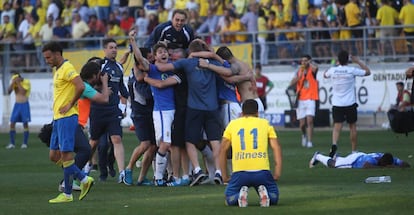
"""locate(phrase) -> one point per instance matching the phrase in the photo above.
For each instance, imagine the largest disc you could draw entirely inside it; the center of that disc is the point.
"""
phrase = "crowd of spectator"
(30, 23)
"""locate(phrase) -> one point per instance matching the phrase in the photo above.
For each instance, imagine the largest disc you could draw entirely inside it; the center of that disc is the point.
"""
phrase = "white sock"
(197, 169)
(323, 159)
(218, 171)
(160, 166)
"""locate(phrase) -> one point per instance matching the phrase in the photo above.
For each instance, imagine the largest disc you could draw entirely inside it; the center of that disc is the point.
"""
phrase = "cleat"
(309, 145)
(75, 186)
(313, 160)
(62, 198)
(174, 183)
(160, 183)
(198, 178)
(218, 179)
(121, 177)
(10, 146)
(128, 177)
(86, 187)
(264, 196)
(23, 146)
(185, 182)
(145, 182)
(244, 191)
(333, 151)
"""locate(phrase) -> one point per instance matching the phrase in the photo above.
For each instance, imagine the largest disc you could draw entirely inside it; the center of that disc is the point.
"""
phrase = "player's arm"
(368, 165)
(221, 70)
(137, 53)
(79, 88)
(104, 96)
(238, 78)
(13, 84)
(277, 157)
(164, 67)
(170, 81)
(225, 145)
(361, 64)
(207, 55)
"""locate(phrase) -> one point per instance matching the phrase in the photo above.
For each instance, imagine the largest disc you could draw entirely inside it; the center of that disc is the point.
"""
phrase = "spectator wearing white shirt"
(141, 24)
(209, 26)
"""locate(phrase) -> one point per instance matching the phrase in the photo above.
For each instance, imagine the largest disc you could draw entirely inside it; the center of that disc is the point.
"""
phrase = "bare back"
(247, 89)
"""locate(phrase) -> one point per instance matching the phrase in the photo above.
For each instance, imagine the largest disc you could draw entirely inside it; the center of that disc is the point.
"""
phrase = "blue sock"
(25, 136)
(67, 177)
(12, 134)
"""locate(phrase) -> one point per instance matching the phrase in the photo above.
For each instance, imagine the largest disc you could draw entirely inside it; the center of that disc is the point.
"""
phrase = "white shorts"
(230, 111)
(305, 108)
(162, 125)
(346, 162)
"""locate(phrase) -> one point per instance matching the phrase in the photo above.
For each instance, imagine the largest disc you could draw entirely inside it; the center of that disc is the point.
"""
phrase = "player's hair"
(197, 45)
(343, 57)
(96, 60)
(53, 47)
(89, 70)
(158, 46)
(180, 11)
(386, 159)
(107, 41)
(307, 56)
(224, 52)
(400, 84)
(250, 107)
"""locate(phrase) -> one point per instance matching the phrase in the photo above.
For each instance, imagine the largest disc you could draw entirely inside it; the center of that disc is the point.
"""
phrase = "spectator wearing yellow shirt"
(387, 16)
(40, 11)
(303, 11)
(27, 7)
(406, 17)
(353, 18)
(7, 30)
(237, 27)
(34, 30)
(115, 31)
(79, 29)
(180, 4)
(66, 15)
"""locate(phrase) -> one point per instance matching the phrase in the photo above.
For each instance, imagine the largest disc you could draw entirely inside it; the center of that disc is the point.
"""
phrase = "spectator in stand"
(237, 27)
(406, 17)
(79, 30)
(261, 38)
(151, 7)
(263, 85)
(103, 9)
(204, 6)
(34, 30)
(162, 14)
(18, 13)
(113, 17)
(303, 11)
(320, 38)
(194, 19)
(240, 6)
(115, 31)
(66, 15)
(141, 25)
(96, 26)
(53, 9)
(82, 10)
(386, 16)
(344, 34)
(26, 38)
(179, 4)
(225, 35)
(40, 11)
(221, 21)
(60, 32)
(7, 30)
(353, 18)
(133, 6)
(7, 11)
(249, 20)
(209, 26)
(27, 7)
(126, 22)
(192, 5)
(371, 8)
(46, 31)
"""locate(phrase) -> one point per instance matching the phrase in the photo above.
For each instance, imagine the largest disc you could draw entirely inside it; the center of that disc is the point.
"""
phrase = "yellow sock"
(59, 163)
(68, 163)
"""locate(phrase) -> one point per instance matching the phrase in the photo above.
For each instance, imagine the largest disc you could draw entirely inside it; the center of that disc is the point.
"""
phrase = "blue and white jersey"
(163, 97)
(372, 158)
(176, 39)
(115, 72)
(202, 85)
(227, 91)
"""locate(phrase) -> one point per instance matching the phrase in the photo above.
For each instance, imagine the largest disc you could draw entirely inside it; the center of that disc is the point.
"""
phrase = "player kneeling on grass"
(249, 136)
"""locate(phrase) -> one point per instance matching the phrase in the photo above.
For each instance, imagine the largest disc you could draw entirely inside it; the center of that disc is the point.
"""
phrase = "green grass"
(28, 180)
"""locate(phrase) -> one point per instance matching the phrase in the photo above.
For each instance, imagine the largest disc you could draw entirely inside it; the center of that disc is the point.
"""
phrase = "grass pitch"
(28, 180)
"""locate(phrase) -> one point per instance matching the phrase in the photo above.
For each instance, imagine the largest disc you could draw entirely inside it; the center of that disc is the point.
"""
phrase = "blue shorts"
(251, 179)
(63, 134)
(198, 121)
(20, 113)
(144, 128)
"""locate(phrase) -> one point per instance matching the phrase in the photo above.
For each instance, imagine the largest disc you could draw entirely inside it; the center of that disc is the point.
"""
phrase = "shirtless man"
(21, 109)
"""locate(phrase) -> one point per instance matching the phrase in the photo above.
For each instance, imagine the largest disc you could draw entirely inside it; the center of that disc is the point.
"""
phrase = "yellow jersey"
(64, 89)
(249, 137)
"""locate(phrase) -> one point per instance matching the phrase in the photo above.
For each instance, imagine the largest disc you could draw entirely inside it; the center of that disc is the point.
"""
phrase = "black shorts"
(198, 121)
(144, 128)
(348, 114)
(357, 32)
(178, 128)
(111, 126)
